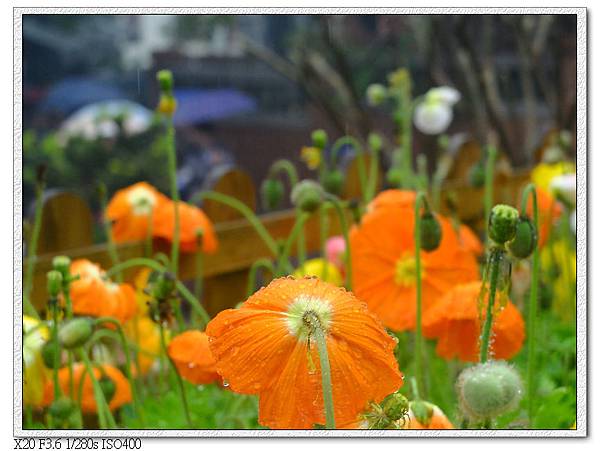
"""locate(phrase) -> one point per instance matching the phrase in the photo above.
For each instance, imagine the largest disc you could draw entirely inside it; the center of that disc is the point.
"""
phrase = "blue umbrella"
(72, 93)
(196, 106)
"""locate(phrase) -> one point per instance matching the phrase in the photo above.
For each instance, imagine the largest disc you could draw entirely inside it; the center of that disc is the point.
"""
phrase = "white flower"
(564, 188)
(434, 114)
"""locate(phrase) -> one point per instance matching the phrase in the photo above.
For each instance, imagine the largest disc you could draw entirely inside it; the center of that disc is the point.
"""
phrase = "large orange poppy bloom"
(470, 240)
(131, 210)
(192, 357)
(383, 261)
(549, 211)
(121, 396)
(266, 348)
(455, 322)
(191, 219)
(394, 198)
(92, 295)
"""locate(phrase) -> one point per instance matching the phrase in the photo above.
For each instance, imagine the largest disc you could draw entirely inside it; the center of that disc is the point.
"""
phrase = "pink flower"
(335, 248)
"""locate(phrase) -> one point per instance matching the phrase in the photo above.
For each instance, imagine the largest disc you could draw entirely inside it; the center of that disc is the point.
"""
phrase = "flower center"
(142, 201)
(306, 312)
(406, 271)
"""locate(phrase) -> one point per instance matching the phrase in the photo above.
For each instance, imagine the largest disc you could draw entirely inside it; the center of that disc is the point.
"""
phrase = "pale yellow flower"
(543, 173)
(311, 156)
(558, 260)
(35, 373)
(316, 267)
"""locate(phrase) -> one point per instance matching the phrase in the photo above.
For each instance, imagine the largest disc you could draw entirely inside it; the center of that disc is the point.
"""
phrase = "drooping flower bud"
(49, 351)
(62, 263)
(54, 281)
(423, 411)
(525, 239)
(108, 388)
(319, 138)
(271, 193)
(375, 141)
(333, 181)
(477, 175)
(431, 232)
(307, 195)
(376, 94)
(167, 103)
(75, 333)
(165, 81)
(488, 389)
(502, 224)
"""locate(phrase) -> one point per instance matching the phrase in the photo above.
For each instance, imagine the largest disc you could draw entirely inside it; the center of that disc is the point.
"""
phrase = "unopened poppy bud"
(61, 408)
(374, 141)
(394, 177)
(376, 94)
(108, 388)
(333, 181)
(271, 193)
(502, 224)
(165, 80)
(49, 351)
(431, 232)
(489, 389)
(525, 239)
(395, 406)
(167, 104)
(319, 138)
(423, 411)
(62, 263)
(75, 333)
(54, 279)
(477, 175)
(307, 195)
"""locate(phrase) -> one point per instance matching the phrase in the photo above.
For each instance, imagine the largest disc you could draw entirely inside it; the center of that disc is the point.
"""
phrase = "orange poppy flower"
(92, 295)
(549, 211)
(121, 396)
(383, 262)
(437, 421)
(470, 240)
(266, 348)
(191, 219)
(192, 357)
(130, 210)
(392, 198)
(455, 322)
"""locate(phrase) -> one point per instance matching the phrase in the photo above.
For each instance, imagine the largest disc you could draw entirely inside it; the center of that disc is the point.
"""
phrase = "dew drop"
(225, 383)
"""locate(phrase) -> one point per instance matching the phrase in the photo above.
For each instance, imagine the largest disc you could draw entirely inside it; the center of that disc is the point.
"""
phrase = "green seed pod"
(376, 94)
(395, 406)
(319, 138)
(488, 389)
(423, 411)
(165, 81)
(502, 224)
(525, 239)
(431, 232)
(54, 283)
(374, 141)
(62, 263)
(307, 195)
(75, 333)
(333, 181)
(62, 408)
(108, 387)
(394, 177)
(271, 193)
(477, 175)
(49, 351)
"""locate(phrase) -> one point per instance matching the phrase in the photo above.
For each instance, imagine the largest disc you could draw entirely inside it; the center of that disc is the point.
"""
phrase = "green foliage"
(557, 410)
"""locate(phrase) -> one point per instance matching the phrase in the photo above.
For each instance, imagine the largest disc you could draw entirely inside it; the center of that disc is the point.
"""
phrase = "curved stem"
(344, 225)
(418, 325)
(354, 143)
(56, 360)
(488, 196)
(285, 165)
(317, 332)
(264, 263)
(494, 263)
(532, 315)
(105, 416)
(244, 210)
(283, 259)
(172, 168)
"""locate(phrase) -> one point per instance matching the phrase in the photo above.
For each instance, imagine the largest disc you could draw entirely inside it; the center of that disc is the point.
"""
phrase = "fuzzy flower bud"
(319, 138)
(525, 239)
(54, 279)
(75, 333)
(62, 263)
(49, 351)
(431, 232)
(307, 195)
(271, 193)
(333, 181)
(376, 94)
(395, 406)
(488, 389)
(502, 224)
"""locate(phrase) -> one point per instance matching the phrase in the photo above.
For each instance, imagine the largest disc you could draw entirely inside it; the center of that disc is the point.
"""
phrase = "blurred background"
(251, 88)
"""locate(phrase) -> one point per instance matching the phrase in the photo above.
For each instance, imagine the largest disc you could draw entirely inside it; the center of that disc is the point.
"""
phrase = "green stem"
(284, 165)
(32, 251)
(373, 175)
(104, 414)
(323, 226)
(244, 210)
(56, 360)
(112, 249)
(488, 197)
(420, 200)
(317, 332)
(172, 168)
(199, 275)
(357, 146)
(283, 260)
(344, 225)
(533, 300)
(494, 263)
(264, 263)
(178, 376)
